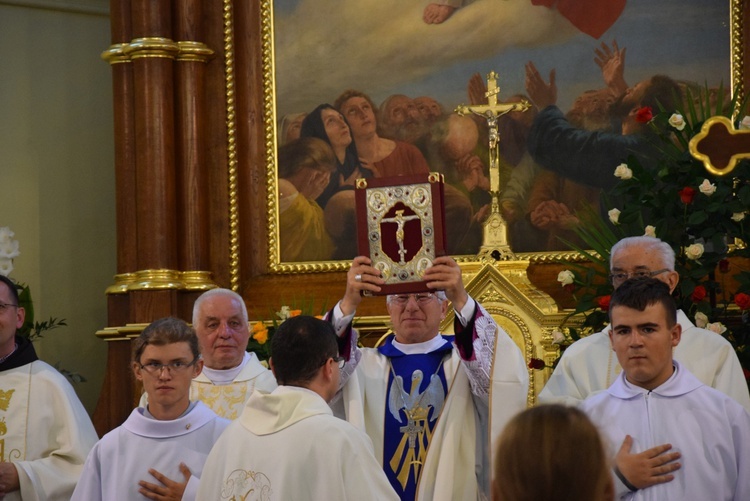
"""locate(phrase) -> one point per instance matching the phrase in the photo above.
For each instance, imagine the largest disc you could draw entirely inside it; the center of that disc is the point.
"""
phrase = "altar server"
(287, 444)
(424, 397)
(230, 373)
(589, 366)
(656, 405)
(159, 452)
(45, 433)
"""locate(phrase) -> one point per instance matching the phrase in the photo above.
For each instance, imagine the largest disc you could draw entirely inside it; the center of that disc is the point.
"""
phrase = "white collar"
(420, 348)
(225, 376)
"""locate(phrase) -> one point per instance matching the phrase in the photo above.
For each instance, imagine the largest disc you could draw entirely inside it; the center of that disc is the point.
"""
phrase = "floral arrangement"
(262, 331)
(31, 329)
(703, 217)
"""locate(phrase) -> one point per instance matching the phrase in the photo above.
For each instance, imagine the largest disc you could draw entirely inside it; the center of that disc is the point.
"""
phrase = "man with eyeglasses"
(160, 450)
(45, 432)
(425, 389)
(287, 444)
(589, 366)
(230, 373)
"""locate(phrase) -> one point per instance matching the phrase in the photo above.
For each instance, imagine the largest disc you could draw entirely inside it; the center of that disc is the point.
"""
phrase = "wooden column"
(162, 188)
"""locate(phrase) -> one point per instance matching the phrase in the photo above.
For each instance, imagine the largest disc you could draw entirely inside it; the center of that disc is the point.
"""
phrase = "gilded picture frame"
(281, 72)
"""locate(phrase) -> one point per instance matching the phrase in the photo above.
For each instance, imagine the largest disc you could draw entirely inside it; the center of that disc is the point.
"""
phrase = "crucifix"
(400, 220)
(412, 429)
(495, 241)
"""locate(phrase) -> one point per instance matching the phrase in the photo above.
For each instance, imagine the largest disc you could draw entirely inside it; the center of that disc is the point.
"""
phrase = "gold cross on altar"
(495, 240)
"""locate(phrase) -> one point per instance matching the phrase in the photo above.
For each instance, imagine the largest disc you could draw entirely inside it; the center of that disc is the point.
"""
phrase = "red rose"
(536, 363)
(699, 293)
(724, 265)
(687, 194)
(569, 287)
(742, 300)
(746, 373)
(644, 115)
(603, 302)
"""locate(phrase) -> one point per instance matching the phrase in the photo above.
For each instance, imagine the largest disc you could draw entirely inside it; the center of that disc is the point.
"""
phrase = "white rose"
(565, 277)
(9, 249)
(284, 313)
(558, 337)
(623, 171)
(650, 231)
(694, 251)
(5, 233)
(701, 320)
(738, 216)
(614, 216)
(717, 327)
(677, 121)
(745, 123)
(6, 266)
(707, 188)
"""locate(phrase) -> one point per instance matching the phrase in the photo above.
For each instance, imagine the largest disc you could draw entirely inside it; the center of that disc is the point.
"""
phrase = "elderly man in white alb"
(589, 366)
(45, 433)
(230, 374)
(422, 389)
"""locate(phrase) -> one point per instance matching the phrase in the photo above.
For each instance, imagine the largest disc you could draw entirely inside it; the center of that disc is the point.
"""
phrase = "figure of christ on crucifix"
(400, 221)
(495, 229)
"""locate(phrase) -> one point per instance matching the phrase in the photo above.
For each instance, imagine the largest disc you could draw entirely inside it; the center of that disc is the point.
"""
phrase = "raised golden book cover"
(401, 226)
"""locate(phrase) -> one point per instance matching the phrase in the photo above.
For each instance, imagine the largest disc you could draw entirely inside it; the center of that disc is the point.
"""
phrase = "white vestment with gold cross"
(44, 430)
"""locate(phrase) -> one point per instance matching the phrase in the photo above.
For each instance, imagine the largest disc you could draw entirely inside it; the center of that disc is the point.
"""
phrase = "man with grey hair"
(589, 366)
(230, 374)
(425, 390)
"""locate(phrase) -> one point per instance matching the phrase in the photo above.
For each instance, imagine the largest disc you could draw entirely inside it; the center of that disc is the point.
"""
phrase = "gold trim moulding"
(115, 54)
(162, 279)
(121, 333)
(139, 48)
(194, 51)
(157, 47)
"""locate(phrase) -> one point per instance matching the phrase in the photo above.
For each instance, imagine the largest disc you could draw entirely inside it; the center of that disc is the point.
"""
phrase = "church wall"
(56, 171)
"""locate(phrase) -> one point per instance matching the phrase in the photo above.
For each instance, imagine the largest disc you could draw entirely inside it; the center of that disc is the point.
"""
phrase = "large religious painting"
(369, 88)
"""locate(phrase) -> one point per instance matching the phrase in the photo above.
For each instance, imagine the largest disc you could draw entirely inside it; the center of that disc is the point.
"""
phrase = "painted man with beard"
(590, 157)
(400, 119)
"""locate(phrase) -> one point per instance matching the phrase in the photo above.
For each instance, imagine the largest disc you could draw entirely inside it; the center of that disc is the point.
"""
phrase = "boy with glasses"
(589, 366)
(288, 444)
(45, 433)
(424, 389)
(169, 439)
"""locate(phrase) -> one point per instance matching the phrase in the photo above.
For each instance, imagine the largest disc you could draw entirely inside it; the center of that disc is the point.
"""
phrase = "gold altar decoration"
(720, 146)
(495, 242)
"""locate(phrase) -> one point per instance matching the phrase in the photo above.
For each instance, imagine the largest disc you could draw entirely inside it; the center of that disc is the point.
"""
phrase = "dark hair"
(550, 452)
(312, 126)
(639, 293)
(12, 286)
(300, 346)
(305, 152)
(662, 91)
(165, 331)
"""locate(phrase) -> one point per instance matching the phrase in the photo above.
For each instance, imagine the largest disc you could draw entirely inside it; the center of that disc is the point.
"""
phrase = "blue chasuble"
(413, 403)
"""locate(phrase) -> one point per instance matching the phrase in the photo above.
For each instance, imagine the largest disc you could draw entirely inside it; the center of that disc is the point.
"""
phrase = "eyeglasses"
(341, 361)
(618, 278)
(5, 306)
(154, 368)
(423, 298)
